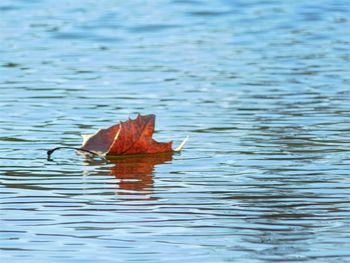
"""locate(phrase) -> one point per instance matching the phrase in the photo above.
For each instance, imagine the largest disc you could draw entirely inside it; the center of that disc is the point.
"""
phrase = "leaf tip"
(181, 146)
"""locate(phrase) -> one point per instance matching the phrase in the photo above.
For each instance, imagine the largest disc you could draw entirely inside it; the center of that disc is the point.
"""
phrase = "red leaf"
(130, 137)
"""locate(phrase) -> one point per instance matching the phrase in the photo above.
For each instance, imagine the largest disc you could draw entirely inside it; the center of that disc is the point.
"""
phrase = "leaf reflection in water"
(134, 173)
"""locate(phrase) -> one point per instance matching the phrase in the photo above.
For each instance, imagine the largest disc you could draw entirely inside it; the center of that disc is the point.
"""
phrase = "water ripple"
(261, 88)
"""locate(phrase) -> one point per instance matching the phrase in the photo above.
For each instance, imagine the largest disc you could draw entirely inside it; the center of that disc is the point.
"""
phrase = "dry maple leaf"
(129, 137)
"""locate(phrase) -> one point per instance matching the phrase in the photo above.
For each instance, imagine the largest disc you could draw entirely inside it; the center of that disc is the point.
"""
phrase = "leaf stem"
(50, 152)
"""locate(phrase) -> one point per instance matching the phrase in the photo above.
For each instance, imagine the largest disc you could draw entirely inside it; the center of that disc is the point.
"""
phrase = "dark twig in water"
(50, 152)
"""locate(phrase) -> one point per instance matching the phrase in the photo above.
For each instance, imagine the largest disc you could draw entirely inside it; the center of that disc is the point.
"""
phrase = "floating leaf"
(126, 138)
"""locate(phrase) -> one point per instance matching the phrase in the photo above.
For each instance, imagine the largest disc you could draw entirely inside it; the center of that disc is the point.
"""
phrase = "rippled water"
(261, 87)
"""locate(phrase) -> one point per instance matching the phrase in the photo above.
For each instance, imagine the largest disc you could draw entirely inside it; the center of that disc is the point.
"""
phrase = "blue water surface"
(261, 87)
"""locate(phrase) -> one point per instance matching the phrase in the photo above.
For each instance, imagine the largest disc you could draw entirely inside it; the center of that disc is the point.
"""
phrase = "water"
(261, 88)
